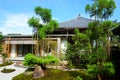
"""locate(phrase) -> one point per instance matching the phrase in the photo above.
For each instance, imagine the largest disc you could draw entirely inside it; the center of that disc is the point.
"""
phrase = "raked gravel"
(9, 76)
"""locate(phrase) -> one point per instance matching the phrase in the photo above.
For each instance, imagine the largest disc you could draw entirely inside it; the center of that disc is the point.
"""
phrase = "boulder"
(38, 72)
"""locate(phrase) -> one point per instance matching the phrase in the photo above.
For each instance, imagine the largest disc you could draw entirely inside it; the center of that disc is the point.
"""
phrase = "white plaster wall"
(13, 51)
(63, 46)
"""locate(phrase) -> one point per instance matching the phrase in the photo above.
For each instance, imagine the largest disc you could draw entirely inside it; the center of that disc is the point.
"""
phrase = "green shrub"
(105, 69)
(48, 59)
(93, 69)
(108, 69)
(31, 60)
(7, 70)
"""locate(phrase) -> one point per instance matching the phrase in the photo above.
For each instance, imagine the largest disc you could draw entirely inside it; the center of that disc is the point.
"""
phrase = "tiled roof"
(78, 22)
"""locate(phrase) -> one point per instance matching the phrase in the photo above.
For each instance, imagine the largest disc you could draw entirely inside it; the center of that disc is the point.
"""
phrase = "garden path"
(8, 76)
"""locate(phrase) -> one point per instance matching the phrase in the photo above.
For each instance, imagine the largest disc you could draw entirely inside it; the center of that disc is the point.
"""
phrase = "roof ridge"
(76, 18)
(85, 18)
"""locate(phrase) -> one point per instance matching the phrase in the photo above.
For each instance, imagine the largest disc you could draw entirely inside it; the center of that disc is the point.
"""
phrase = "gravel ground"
(8, 76)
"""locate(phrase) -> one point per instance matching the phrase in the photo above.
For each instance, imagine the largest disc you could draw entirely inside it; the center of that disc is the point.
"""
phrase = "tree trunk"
(99, 78)
(108, 44)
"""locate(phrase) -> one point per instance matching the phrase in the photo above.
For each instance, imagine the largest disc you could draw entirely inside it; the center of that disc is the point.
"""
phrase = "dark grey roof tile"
(78, 22)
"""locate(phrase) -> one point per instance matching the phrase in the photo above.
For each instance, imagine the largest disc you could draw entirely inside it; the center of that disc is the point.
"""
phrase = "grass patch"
(56, 75)
(7, 70)
(6, 63)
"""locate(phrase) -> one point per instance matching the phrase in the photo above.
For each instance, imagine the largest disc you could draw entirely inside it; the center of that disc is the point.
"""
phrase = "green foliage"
(42, 24)
(104, 69)
(0, 48)
(93, 30)
(52, 25)
(73, 54)
(93, 69)
(101, 8)
(81, 41)
(79, 78)
(80, 46)
(4, 55)
(95, 57)
(46, 24)
(47, 59)
(80, 36)
(7, 70)
(115, 40)
(34, 22)
(98, 32)
(42, 32)
(31, 60)
(91, 9)
(108, 69)
(95, 42)
(48, 28)
(106, 8)
(1, 39)
(44, 13)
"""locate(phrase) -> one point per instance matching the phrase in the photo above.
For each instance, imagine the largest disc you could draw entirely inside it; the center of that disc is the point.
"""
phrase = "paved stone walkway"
(8, 76)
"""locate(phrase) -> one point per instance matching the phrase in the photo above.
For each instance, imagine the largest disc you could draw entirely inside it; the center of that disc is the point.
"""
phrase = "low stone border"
(56, 67)
(63, 68)
(20, 64)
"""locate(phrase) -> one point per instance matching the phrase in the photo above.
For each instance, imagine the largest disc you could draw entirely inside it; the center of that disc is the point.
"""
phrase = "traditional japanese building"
(17, 45)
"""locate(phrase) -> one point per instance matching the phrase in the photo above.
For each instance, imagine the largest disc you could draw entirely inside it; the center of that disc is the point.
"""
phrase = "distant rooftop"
(18, 35)
(78, 22)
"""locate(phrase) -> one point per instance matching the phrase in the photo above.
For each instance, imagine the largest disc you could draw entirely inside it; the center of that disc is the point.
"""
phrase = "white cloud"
(15, 23)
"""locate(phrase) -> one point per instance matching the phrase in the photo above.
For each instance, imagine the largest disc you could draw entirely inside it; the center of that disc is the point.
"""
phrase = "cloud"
(14, 20)
(15, 23)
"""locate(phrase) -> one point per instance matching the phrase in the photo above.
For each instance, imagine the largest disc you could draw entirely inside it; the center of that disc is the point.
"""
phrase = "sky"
(14, 14)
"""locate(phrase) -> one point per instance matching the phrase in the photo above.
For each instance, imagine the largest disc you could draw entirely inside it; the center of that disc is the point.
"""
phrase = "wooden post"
(8, 47)
(16, 51)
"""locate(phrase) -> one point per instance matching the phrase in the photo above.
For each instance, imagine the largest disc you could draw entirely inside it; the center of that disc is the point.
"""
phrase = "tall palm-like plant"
(42, 24)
